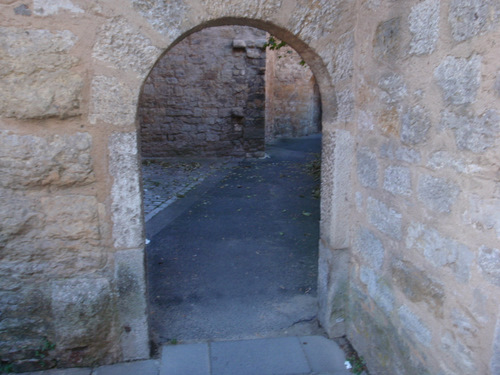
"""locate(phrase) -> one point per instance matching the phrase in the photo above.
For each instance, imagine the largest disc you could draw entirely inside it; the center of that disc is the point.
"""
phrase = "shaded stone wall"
(206, 96)
(293, 103)
(424, 281)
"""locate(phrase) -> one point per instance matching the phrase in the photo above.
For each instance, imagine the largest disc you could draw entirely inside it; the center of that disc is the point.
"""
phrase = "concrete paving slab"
(64, 371)
(148, 367)
(264, 357)
(323, 354)
(192, 359)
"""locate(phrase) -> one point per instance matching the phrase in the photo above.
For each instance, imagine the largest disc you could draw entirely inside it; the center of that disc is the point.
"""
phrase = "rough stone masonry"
(409, 251)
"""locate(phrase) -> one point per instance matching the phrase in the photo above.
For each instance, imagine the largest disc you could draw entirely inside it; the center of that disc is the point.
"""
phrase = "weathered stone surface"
(378, 289)
(157, 11)
(131, 282)
(61, 160)
(343, 68)
(394, 151)
(397, 180)
(112, 102)
(444, 159)
(306, 18)
(370, 247)
(415, 124)
(57, 235)
(123, 46)
(463, 356)
(468, 18)
(495, 358)
(367, 168)
(497, 85)
(437, 193)
(345, 105)
(126, 206)
(441, 251)
(483, 214)
(81, 308)
(22, 10)
(424, 26)
(414, 326)
(384, 218)
(489, 263)
(393, 88)
(418, 286)
(472, 133)
(49, 7)
(35, 76)
(387, 42)
(459, 79)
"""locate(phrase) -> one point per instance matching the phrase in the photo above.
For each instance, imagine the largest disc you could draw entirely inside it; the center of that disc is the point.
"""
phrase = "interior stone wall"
(293, 102)
(409, 248)
(206, 96)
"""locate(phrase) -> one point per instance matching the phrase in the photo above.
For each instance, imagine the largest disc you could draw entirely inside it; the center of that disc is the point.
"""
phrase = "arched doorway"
(239, 260)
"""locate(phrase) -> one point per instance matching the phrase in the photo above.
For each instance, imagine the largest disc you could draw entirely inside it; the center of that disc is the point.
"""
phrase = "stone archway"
(337, 147)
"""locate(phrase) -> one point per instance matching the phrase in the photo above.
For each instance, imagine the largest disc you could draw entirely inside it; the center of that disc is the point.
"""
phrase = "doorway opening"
(231, 152)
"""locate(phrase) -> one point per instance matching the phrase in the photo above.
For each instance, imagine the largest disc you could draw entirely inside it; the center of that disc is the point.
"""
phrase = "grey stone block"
(489, 263)
(393, 88)
(323, 354)
(459, 79)
(437, 193)
(367, 168)
(495, 358)
(192, 359)
(415, 124)
(468, 18)
(264, 357)
(473, 133)
(387, 43)
(414, 326)
(378, 289)
(148, 367)
(424, 26)
(384, 218)
(397, 180)
(370, 247)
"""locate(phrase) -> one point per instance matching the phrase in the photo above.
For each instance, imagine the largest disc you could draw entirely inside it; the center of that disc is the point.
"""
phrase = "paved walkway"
(309, 355)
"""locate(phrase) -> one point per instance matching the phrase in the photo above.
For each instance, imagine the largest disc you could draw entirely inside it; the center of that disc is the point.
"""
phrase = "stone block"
(50, 7)
(122, 46)
(370, 247)
(22, 10)
(441, 251)
(415, 124)
(497, 85)
(387, 41)
(132, 306)
(378, 289)
(459, 79)
(495, 358)
(82, 309)
(28, 161)
(367, 169)
(333, 284)
(468, 18)
(384, 218)
(461, 354)
(414, 326)
(483, 214)
(35, 74)
(489, 262)
(473, 133)
(424, 26)
(345, 105)
(157, 11)
(344, 67)
(393, 88)
(394, 151)
(444, 159)
(126, 205)
(397, 180)
(437, 194)
(112, 102)
(417, 286)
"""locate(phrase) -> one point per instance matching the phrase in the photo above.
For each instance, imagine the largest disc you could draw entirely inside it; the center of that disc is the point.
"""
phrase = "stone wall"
(293, 103)
(205, 96)
(424, 282)
(409, 248)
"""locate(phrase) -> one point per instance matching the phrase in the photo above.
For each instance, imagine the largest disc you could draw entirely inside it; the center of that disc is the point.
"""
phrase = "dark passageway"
(240, 260)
